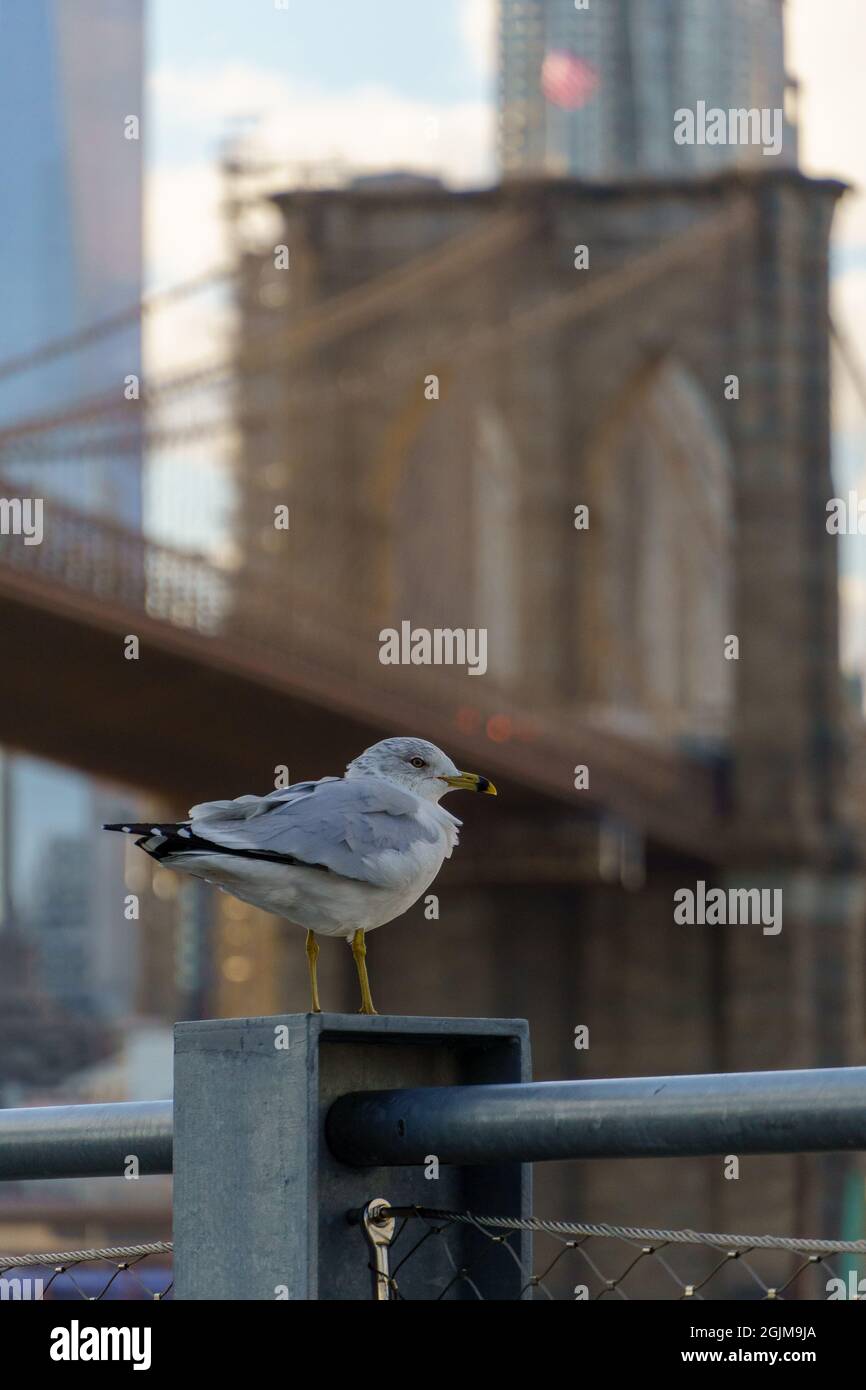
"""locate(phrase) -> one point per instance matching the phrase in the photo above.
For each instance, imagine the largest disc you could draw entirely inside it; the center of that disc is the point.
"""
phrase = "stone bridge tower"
(480, 366)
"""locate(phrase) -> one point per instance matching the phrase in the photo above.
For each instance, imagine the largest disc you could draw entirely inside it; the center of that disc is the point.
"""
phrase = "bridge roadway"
(232, 680)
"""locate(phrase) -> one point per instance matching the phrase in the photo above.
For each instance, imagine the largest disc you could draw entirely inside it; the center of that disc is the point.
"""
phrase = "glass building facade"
(70, 234)
(70, 257)
(651, 58)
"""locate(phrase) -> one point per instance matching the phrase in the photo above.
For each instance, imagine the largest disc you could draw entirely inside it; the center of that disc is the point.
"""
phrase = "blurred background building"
(71, 76)
(556, 387)
(590, 91)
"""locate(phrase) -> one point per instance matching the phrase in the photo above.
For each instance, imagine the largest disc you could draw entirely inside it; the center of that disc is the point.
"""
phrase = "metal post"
(262, 1206)
(637, 1117)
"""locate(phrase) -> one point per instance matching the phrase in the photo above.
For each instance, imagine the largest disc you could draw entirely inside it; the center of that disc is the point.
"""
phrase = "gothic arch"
(659, 473)
(453, 499)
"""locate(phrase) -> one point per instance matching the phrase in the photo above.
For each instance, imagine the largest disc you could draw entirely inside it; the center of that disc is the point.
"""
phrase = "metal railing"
(633, 1117)
(76, 1141)
(264, 1209)
(771, 1112)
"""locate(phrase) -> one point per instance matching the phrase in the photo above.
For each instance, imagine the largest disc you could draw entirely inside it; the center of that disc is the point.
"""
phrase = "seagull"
(340, 856)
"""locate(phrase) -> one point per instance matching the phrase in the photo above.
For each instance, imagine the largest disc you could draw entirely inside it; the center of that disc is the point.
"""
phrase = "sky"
(415, 87)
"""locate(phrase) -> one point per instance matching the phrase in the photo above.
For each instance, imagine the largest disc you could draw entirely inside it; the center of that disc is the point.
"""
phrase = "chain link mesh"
(129, 1272)
(573, 1260)
(580, 1261)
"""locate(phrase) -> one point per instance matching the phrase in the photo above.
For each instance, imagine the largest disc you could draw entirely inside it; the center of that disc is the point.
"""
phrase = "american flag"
(567, 80)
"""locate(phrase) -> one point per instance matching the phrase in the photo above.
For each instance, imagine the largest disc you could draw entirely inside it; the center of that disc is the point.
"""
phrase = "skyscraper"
(70, 234)
(71, 256)
(591, 90)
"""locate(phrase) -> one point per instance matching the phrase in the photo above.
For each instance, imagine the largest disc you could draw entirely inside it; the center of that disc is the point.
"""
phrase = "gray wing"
(247, 807)
(362, 827)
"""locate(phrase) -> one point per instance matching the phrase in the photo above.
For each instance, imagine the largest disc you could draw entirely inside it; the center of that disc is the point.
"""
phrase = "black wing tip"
(147, 827)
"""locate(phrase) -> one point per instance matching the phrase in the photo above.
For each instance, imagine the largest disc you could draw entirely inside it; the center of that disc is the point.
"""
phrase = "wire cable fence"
(580, 1261)
(127, 1272)
(573, 1260)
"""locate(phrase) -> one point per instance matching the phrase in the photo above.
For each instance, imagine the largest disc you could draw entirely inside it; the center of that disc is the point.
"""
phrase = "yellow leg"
(359, 951)
(312, 957)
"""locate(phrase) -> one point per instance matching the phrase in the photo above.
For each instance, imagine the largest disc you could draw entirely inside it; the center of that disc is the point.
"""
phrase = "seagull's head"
(419, 767)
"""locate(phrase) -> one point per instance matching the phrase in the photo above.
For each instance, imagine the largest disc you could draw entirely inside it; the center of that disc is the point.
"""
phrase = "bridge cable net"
(591, 1262)
(332, 319)
(341, 315)
(115, 323)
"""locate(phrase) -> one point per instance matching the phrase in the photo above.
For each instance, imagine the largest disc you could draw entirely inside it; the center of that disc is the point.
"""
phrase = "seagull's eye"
(417, 762)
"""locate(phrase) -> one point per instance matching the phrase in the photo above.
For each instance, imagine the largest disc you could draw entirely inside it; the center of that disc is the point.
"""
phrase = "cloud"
(477, 21)
(308, 133)
(848, 305)
(233, 91)
(311, 135)
(373, 129)
(852, 635)
(184, 230)
(824, 53)
(367, 128)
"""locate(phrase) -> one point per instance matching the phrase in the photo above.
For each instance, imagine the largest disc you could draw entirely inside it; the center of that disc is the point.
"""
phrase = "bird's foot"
(371, 1010)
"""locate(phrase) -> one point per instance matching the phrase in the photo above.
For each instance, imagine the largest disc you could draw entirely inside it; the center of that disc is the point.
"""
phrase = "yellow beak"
(470, 782)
